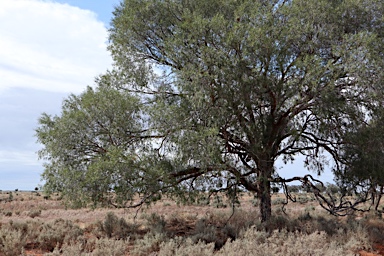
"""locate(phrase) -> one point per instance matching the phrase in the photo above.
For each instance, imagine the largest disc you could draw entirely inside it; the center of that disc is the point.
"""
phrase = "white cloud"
(50, 46)
(26, 158)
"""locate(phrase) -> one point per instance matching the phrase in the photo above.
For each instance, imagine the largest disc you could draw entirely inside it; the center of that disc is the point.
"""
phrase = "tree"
(92, 147)
(363, 165)
(242, 84)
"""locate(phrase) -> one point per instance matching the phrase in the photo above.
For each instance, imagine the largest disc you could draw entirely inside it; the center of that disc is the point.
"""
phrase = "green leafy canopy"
(207, 95)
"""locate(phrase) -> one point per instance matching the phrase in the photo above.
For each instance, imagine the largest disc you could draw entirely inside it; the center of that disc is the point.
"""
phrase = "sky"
(48, 50)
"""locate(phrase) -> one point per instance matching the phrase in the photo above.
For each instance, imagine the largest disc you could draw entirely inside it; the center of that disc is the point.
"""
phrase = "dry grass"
(32, 224)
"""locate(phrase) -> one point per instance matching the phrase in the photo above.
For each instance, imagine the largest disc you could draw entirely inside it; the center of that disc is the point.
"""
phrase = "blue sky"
(49, 49)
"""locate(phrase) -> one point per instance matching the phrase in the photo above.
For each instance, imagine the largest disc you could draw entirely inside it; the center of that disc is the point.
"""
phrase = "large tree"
(225, 88)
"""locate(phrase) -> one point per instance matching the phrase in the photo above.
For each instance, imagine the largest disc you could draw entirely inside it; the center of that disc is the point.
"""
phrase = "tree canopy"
(363, 166)
(208, 95)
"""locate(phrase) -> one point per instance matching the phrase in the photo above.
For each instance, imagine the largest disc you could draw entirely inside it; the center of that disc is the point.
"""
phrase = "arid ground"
(34, 224)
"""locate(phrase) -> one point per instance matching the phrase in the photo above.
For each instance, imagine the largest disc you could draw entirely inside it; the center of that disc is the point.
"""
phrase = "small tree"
(293, 189)
(332, 189)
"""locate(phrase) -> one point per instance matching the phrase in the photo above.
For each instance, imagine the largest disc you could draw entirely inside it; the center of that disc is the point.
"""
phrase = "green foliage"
(294, 188)
(207, 95)
(93, 150)
(332, 189)
(364, 153)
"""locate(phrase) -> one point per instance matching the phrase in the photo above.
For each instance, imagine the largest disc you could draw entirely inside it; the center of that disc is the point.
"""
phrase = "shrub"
(240, 221)
(67, 250)
(278, 201)
(202, 200)
(34, 213)
(204, 232)
(213, 230)
(148, 244)
(375, 230)
(178, 246)
(303, 199)
(284, 243)
(218, 202)
(118, 228)
(276, 222)
(57, 233)
(110, 247)
(156, 223)
(110, 224)
(180, 225)
(255, 201)
(12, 241)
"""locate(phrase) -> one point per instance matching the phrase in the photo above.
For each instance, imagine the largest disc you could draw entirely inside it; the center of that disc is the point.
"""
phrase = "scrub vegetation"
(195, 229)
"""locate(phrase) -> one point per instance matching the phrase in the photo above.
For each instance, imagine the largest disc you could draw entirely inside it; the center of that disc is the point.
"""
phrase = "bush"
(257, 243)
(303, 199)
(67, 250)
(375, 230)
(148, 244)
(218, 202)
(34, 213)
(55, 234)
(332, 189)
(178, 246)
(180, 225)
(204, 232)
(214, 230)
(276, 222)
(110, 224)
(156, 223)
(118, 228)
(12, 241)
(110, 247)
(202, 200)
(278, 201)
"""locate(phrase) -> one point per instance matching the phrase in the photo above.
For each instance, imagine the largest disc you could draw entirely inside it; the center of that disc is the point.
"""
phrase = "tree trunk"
(264, 193)
(265, 201)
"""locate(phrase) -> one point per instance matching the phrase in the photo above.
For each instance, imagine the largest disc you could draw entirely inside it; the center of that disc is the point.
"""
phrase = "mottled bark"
(264, 189)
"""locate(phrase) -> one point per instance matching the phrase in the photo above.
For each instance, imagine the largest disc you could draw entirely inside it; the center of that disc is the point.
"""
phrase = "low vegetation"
(43, 226)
